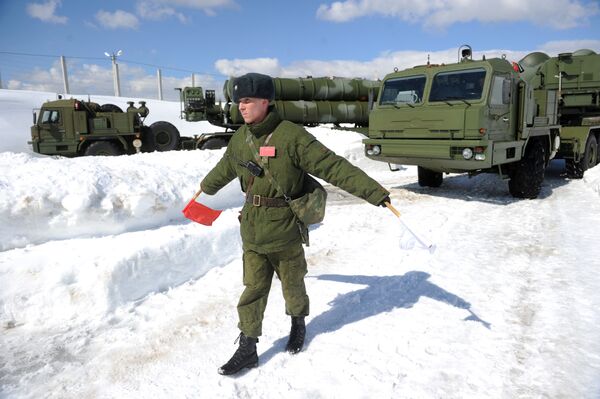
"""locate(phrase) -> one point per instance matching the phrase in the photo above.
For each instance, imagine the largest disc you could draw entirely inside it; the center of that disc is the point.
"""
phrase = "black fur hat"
(254, 85)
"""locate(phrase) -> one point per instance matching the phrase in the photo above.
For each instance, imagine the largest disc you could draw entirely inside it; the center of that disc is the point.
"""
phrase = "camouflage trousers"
(290, 266)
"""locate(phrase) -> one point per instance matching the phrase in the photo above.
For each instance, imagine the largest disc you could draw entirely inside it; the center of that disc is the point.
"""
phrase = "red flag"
(200, 213)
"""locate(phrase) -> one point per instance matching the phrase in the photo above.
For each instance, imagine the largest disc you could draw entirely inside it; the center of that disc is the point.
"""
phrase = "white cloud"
(46, 12)
(154, 11)
(236, 67)
(565, 46)
(116, 20)
(559, 14)
(159, 9)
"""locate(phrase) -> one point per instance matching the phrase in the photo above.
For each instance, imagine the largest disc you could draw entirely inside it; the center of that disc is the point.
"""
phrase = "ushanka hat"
(254, 85)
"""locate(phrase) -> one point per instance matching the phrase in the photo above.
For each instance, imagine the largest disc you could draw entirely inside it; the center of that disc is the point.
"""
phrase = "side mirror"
(34, 117)
(506, 88)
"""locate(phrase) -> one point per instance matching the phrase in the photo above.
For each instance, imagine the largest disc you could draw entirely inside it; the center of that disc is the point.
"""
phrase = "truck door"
(52, 125)
(502, 115)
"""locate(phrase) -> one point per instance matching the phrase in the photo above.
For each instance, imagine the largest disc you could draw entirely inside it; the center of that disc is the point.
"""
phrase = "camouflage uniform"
(271, 239)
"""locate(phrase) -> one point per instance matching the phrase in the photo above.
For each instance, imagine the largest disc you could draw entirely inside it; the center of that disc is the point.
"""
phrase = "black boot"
(297, 334)
(244, 357)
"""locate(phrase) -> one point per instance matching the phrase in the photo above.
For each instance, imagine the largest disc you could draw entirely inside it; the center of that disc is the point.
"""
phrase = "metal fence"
(113, 75)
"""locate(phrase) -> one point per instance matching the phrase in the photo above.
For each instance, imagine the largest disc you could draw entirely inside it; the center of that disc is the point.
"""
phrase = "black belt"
(258, 200)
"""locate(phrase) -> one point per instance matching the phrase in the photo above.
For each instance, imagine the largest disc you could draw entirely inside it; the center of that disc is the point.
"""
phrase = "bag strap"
(264, 164)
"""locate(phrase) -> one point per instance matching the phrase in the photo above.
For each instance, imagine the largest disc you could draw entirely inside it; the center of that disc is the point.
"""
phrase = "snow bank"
(46, 198)
(81, 280)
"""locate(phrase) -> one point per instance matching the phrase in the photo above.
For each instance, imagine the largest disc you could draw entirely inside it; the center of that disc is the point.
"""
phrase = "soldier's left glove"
(386, 199)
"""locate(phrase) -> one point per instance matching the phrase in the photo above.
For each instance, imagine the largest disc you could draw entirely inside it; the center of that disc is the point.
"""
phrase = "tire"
(575, 170)
(147, 140)
(110, 108)
(164, 136)
(429, 178)
(527, 176)
(103, 148)
(598, 148)
(214, 143)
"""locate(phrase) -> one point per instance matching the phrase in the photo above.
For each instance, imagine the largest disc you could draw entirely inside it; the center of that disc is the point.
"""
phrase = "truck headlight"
(479, 154)
(467, 153)
(373, 150)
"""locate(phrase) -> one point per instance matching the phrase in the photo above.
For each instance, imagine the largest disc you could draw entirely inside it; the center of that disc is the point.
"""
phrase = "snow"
(107, 291)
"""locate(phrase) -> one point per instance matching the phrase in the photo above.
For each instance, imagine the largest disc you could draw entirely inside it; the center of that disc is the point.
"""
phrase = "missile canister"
(314, 112)
(318, 89)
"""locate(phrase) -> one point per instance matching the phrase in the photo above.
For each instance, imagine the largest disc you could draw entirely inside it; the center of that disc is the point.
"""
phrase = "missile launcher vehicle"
(490, 115)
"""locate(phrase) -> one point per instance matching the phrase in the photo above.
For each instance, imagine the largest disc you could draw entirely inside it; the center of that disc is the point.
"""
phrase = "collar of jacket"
(266, 126)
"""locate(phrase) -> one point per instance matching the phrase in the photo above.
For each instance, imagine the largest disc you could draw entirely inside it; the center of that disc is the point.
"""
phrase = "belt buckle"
(256, 200)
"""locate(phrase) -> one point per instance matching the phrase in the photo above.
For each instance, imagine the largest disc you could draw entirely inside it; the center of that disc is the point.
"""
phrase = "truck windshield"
(403, 90)
(50, 116)
(458, 85)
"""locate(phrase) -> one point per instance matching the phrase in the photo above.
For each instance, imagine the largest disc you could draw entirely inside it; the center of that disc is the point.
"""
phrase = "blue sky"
(219, 38)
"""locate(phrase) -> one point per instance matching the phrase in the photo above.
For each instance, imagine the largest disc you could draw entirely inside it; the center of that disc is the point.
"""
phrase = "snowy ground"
(106, 291)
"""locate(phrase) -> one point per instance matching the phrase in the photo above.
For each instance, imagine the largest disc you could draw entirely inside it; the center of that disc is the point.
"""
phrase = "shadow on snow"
(489, 188)
(382, 294)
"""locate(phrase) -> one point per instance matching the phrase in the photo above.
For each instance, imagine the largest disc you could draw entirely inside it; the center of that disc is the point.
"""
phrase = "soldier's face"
(253, 110)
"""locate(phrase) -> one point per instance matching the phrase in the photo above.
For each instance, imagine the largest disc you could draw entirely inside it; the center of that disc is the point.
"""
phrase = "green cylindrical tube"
(315, 112)
(318, 89)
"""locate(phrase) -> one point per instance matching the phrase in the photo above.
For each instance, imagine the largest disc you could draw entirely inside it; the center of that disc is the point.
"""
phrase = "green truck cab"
(477, 116)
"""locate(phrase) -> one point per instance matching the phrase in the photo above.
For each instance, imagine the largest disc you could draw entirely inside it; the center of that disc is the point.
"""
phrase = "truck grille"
(445, 131)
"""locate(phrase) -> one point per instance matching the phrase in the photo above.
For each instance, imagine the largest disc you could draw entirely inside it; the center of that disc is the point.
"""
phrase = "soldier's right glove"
(386, 199)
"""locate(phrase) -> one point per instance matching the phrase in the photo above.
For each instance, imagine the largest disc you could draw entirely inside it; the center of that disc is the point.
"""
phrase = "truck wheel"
(527, 176)
(147, 139)
(164, 136)
(110, 108)
(575, 170)
(105, 148)
(429, 178)
(214, 144)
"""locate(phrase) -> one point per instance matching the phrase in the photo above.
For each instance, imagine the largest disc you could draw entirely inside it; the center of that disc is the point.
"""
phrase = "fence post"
(0, 80)
(63, 64)
(159, 78)
(193, 79)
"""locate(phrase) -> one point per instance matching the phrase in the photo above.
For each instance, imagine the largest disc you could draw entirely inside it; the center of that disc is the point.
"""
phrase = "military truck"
(490, 115)
(307, 101)
(72, 127)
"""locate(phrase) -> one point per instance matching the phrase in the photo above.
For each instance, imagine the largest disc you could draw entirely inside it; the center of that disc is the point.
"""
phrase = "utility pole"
(63, 64)
(115, 68)
(159, 77)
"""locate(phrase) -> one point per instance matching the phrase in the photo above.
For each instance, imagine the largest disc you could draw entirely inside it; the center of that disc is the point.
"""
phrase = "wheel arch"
(118, 141)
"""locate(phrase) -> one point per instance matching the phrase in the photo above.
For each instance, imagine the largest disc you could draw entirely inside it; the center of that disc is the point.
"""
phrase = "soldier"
(272, 241)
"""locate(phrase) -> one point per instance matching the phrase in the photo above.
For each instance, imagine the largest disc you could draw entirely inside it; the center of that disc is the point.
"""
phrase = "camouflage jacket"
(270, 229)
